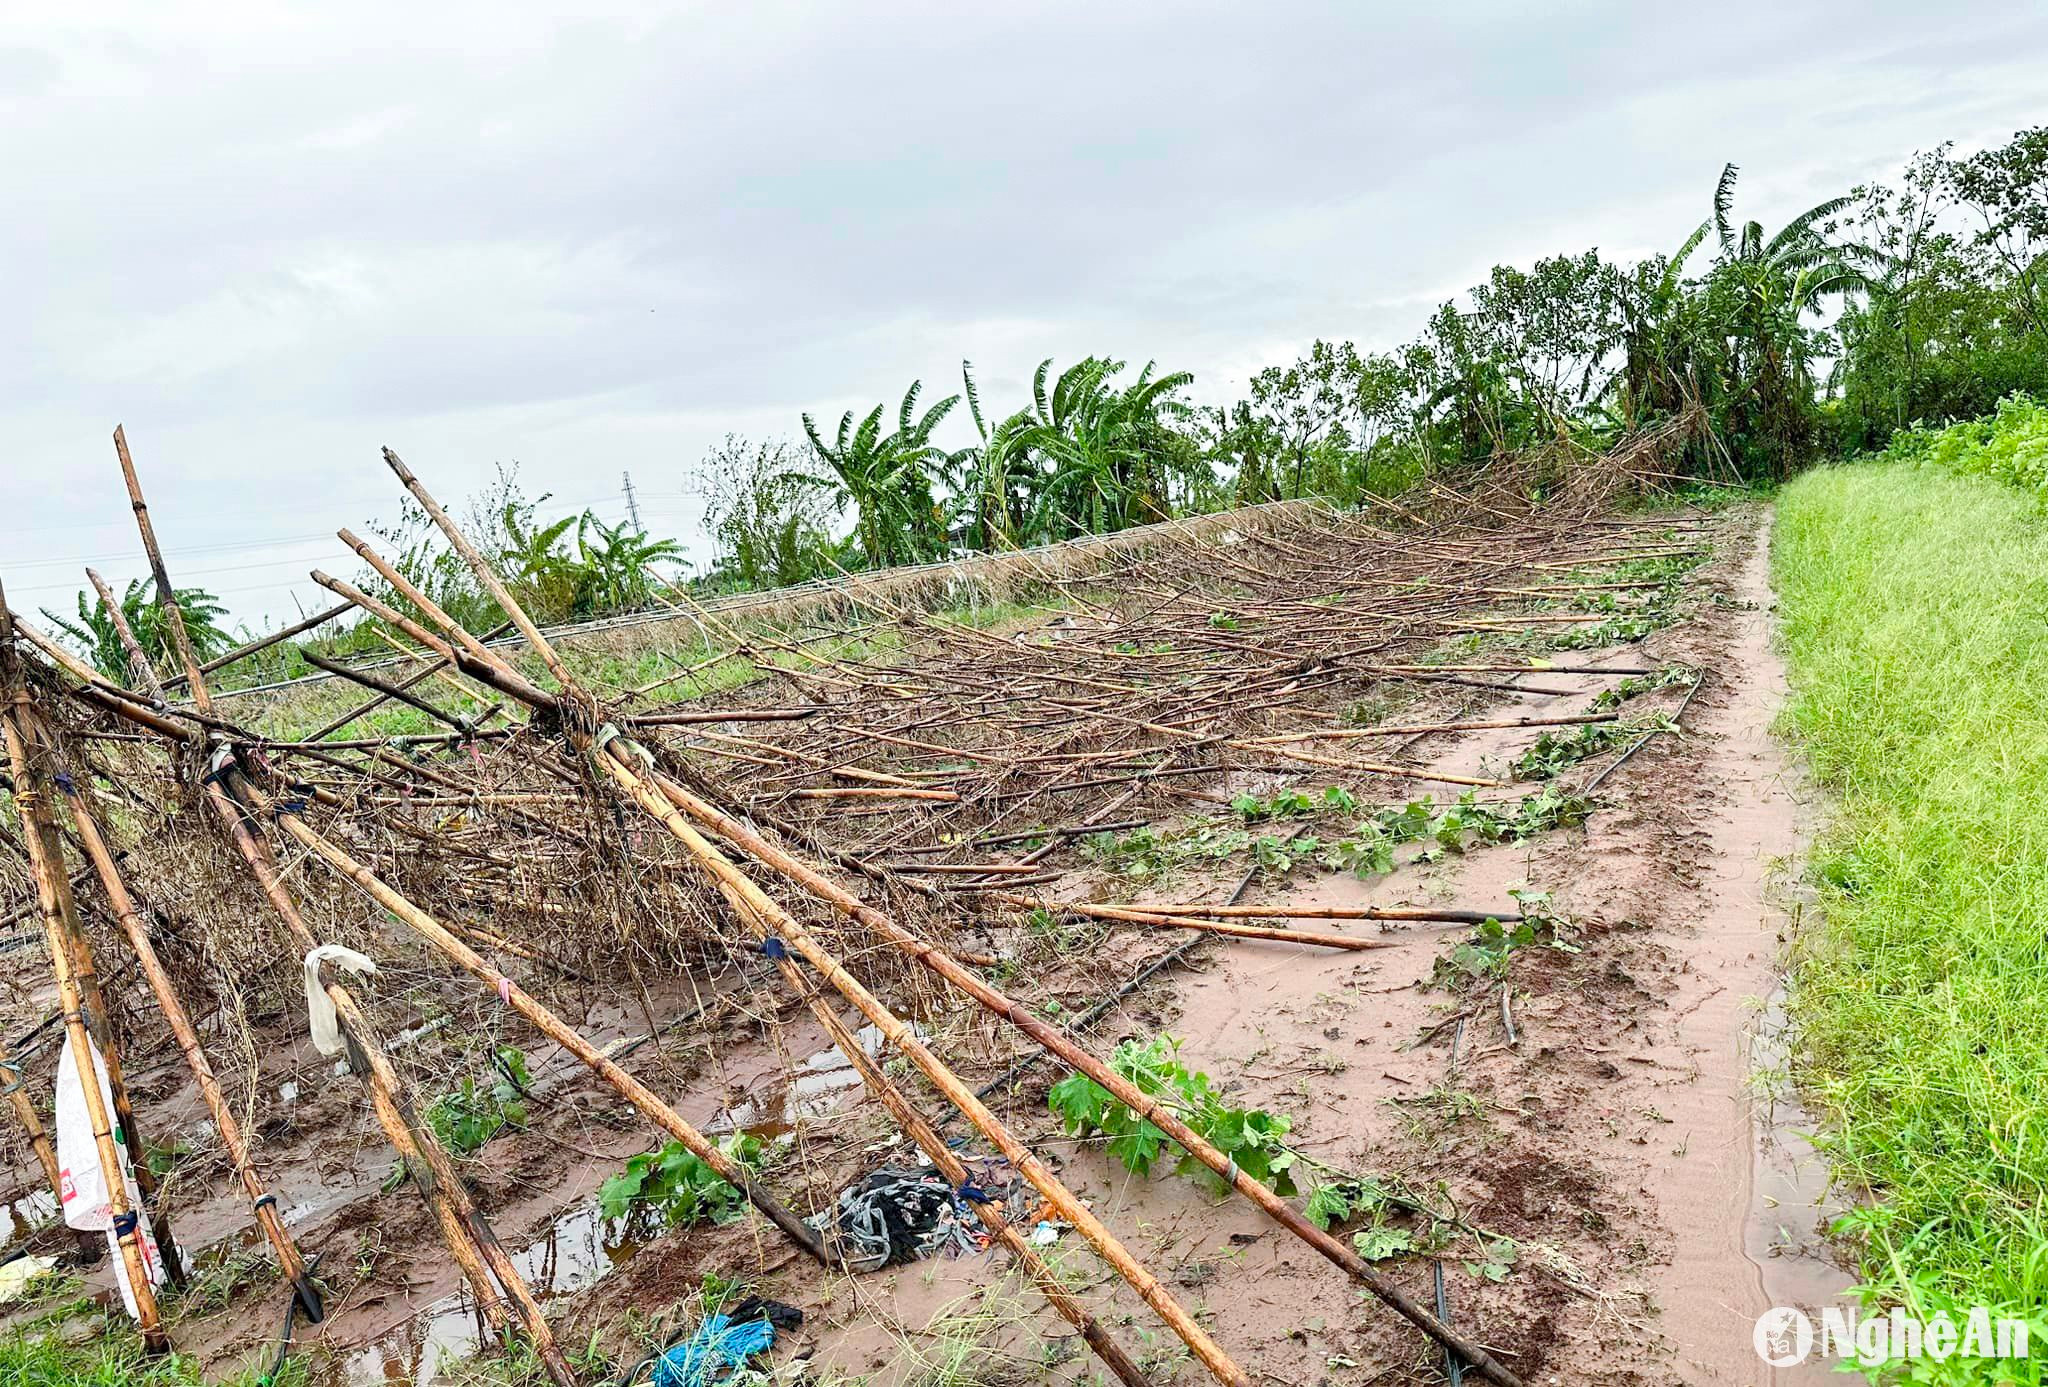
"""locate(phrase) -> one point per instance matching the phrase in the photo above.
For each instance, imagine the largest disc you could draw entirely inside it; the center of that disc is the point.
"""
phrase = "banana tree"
(995, 480)
(1762, 289)
(615, 566)
(1111, 455)
(94, 629)
(888, 478)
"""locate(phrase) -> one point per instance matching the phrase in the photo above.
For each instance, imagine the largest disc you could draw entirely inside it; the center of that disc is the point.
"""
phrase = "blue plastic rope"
(710, 1355)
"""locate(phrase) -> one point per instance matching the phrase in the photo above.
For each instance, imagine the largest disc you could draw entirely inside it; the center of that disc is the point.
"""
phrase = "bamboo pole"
(672, 1122)
(262, 1203)
(51, 890)
(141, 674)
(25, 1113)
(1062, 1047)
(477, 653)
(527, 1005)
(96, 687)
(769, 917)
(473, 658)
(166, 595)
(468, 1235)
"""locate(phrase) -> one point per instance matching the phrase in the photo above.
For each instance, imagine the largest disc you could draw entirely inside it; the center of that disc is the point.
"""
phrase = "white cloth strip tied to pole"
(320, 1016)
(84, 1189)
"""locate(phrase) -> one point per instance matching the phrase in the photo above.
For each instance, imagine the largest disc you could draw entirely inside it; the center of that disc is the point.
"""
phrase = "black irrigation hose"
(292, 1307)
(1644, 740)
(1454, 1366)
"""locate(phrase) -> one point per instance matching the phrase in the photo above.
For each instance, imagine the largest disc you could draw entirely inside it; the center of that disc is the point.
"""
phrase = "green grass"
(1914, 603)
(114, 1358)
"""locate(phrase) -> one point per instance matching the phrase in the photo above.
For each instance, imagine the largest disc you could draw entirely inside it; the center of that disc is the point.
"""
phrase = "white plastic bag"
(322, 1021)
(84, 1192)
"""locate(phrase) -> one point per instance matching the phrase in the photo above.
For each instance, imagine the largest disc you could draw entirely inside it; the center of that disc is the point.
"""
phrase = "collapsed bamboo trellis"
(493, 1276)
(665, 801)
(962, 737)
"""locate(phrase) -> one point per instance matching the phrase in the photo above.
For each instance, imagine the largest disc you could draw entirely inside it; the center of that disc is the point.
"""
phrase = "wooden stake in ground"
(468, 1235)
(52, 889)
(262, 1202)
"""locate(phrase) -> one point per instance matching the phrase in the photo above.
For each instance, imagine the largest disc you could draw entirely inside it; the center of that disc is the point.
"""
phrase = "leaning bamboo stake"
(468, 1235)
(166, 595)
(25, 1113)
(141, 674)
(262, 1202)
(779, 929)
(51, 889)
(511, 994)
(765, 913)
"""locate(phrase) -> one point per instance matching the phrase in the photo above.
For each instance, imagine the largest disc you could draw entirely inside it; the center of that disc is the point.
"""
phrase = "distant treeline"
(1888, 306)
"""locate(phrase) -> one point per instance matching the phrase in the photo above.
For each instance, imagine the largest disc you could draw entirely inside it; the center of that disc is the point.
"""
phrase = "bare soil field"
(1563, 1132)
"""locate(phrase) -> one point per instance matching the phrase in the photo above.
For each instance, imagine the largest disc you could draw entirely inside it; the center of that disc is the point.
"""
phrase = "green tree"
(2007, 189)
(1761, 290)
(888, 478)
(614, 567)
(1111, 457)
(768, 513)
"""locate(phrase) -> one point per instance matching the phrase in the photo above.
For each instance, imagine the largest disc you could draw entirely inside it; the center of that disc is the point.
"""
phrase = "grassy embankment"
(1915, 605)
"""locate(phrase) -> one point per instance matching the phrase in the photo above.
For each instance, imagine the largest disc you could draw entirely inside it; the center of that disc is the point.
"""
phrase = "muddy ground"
(1621, 1191)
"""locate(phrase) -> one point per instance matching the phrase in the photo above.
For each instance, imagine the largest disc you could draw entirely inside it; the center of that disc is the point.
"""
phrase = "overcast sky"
(271, 239)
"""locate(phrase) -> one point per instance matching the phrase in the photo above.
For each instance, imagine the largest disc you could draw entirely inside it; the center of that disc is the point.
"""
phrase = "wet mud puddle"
(582, 1246)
